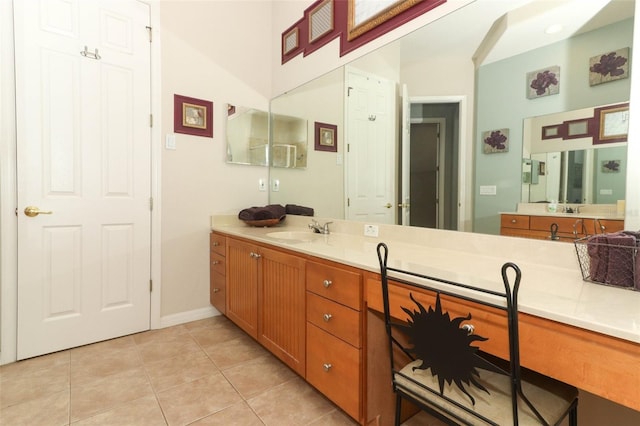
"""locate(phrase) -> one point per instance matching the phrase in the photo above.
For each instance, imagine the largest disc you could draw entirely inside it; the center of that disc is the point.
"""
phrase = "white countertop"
(551, 286)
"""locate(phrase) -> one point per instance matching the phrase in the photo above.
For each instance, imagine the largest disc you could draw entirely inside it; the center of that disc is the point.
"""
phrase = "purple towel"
(621, 259)
(598, 257)
(298, 210)
(272, 211)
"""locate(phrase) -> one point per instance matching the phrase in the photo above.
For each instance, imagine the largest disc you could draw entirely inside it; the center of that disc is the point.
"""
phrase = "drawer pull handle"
(327, 317)
(216, 290)
(326, 283)
(326, 367)
(469, 327)
(513, 221)
(215, 244)
(215, 262)
(255, 255)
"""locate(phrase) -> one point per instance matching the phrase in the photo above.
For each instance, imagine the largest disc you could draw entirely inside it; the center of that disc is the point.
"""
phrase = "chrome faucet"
(319, 229)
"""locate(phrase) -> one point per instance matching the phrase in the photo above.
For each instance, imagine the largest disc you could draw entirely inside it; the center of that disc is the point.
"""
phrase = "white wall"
(218, 51)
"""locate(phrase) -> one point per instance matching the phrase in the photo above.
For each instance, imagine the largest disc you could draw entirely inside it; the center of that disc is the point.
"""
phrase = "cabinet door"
(242, 285)
(281, 298)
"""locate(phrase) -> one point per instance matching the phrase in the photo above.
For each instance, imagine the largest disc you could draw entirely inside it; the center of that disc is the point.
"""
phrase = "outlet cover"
(371, 230)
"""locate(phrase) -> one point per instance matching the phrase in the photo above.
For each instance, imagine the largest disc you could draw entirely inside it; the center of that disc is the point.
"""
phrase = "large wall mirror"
(248, 134)
(480, 75)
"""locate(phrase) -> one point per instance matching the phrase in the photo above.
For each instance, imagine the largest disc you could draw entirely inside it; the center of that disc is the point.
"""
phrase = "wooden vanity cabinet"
(266, 298)
(539, 227)
(217, 271)
(334, 334)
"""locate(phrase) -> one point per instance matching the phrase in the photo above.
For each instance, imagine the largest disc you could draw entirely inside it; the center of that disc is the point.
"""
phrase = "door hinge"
(151, 203)
(150, 120)
(150, 32)
(348, 147)
(150, 286)
(348, 202)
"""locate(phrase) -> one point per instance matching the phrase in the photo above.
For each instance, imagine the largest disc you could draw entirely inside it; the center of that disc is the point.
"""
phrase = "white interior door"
(83, 154)
(405, 205)
(371, 148)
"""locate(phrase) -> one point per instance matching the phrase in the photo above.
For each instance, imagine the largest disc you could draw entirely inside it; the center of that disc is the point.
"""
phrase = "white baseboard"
(188, 316)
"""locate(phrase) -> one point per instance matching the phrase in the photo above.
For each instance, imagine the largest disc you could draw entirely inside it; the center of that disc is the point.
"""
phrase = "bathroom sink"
(297, 236)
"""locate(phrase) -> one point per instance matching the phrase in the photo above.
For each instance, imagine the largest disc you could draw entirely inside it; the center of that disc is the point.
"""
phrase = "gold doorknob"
(388, 205)
(32, 211)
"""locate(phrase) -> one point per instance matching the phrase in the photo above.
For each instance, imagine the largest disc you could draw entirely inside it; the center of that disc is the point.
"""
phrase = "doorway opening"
(432, 158)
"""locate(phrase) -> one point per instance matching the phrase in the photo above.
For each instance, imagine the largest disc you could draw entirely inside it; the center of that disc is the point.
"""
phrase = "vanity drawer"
(217, 243)
(217, 291)
(336, 284)
(609, 225)
(565, 224)
(217, 263)
(514, 221)
(339, 320)
(333, 367)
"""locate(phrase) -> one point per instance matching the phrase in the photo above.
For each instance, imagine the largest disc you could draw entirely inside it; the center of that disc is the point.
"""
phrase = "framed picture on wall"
(192, 116)
(494, 141)
(326, 137)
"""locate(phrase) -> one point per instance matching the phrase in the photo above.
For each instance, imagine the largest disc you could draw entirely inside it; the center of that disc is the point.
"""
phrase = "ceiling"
(491, 30)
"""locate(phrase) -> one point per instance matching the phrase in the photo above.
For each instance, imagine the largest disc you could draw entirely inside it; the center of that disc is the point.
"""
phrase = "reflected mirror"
(247, 136)
(486, 65)
(289, 141)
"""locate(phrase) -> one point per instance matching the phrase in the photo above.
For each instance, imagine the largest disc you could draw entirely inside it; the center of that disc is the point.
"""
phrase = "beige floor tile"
(232, 352)
(237, 415)
(97, 349)
(160, 334)
(34, 383)
(207, 336)
(256, 376)
(141, 412)
(423, 419)
(175, 371)
(52, 409)
(99, 395)
(334, 418)
(192, 401)
(28, 366)
(88, 366)
(216, 321)
(293, 403)
(168, 347)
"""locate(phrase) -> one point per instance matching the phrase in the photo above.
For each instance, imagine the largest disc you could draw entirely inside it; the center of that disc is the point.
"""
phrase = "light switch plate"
(170, 141)
(262, 185)
(275, 185)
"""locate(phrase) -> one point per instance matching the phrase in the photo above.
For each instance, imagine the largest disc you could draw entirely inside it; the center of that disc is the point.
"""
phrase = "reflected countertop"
(551, 286)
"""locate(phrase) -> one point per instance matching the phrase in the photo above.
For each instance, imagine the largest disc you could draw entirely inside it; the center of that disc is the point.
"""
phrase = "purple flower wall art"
(609, 66)
(495, 141)
(543, 82)
(611, 166)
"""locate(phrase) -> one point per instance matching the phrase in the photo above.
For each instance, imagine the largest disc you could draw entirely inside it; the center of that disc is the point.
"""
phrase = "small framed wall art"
(543, 82)
(192, 116)
(609, 66)
(326, 137)
(494, 141)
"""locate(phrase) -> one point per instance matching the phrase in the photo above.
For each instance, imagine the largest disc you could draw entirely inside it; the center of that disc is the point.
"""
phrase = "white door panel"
(84, 154)
(371, 154)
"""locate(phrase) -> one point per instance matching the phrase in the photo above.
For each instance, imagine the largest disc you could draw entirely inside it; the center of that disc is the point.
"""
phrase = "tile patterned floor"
(205, 372)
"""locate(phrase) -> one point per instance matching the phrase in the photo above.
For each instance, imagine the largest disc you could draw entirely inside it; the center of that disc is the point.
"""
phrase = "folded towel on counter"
(620, 263)
(598, 255)
(272, 211)
(613, 258)
(299, 210)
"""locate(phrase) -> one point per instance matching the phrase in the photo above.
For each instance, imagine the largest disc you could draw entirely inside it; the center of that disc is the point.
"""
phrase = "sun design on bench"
(445, 347)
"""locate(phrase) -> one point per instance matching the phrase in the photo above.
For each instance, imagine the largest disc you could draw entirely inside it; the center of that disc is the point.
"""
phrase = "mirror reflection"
(487, 70)
(247, 136)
